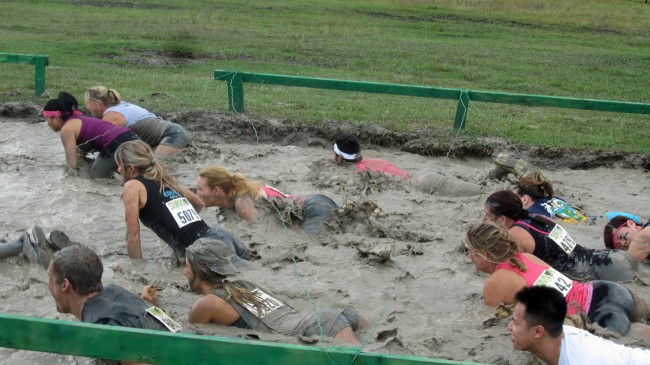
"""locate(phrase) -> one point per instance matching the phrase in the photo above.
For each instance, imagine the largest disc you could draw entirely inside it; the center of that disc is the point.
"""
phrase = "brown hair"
(506, 203)
(235, 292)
(496, 241)
(234, 185)
(535, 188)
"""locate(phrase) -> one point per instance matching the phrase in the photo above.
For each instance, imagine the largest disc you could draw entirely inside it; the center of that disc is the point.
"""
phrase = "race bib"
(163, 318)
(552, 278)
(560, 236)
(268, 303)
(182, 211)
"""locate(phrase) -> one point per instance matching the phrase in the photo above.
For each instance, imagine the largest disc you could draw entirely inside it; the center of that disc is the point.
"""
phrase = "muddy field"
(391, 251)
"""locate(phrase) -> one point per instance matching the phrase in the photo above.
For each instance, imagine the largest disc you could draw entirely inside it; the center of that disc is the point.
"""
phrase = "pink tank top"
(274, 193)
(577, 294)
(385, 167)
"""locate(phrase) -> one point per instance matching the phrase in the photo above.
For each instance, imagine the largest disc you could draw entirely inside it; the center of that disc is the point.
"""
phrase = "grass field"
(161, 54)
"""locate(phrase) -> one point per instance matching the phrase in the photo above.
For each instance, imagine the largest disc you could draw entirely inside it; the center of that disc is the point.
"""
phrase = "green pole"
(235, 86)
(39, 74)
(461, 110)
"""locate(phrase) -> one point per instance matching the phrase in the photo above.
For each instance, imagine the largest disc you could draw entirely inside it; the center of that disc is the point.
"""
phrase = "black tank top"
(171, 216)
(553, 244)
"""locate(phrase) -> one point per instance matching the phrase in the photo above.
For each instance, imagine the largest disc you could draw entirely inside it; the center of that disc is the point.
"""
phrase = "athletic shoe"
(58, 240)
(35, 247)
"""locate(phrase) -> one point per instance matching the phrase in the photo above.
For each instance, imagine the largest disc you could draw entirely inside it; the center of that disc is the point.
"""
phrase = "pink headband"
(56, 113)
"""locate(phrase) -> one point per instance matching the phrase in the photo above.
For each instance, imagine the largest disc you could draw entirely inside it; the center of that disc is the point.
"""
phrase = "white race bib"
(163, 318)
(182, 211)
(560, 236)
(268, 303)
(552, 278)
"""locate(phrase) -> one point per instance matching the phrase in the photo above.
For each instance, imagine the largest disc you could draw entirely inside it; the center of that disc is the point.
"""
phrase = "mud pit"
(391, 251)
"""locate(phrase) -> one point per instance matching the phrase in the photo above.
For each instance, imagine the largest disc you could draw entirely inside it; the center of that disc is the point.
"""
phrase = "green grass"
(597, 49)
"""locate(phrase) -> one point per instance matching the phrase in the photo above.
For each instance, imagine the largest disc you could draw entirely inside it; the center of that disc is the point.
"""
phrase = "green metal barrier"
(235, 83)
(39, 62)
(157, 347)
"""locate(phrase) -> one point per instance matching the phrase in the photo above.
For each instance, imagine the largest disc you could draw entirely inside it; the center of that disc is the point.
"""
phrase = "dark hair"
(535, 188)
(236, 293)
(506, 203)
(64, 103)
(544, 306)
(348, 143)
(81, 266)
(613, 224)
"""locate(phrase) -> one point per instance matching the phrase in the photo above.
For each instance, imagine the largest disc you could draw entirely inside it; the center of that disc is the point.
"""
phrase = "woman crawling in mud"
(624, 233)
(347, 149)
(542, 237)
(216, 186)
(493, 251)
(169, 209)
(243, 304)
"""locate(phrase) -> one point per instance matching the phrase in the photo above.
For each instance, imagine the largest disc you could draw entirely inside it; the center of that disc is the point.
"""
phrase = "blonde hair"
(139, 154)
(496, 241)
(108, 97)
(234, 185)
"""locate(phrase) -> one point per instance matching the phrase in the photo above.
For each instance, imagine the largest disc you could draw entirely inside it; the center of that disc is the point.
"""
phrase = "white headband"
(346, 156)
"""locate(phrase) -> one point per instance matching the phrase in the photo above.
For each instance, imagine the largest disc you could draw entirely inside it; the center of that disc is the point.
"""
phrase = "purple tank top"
(96, 134)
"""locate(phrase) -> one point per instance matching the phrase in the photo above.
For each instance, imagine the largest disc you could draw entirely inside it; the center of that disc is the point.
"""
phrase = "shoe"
(519, 167)
(524, 169)
(58, 240)
(35, 247)
(506, 162)
(497, 173)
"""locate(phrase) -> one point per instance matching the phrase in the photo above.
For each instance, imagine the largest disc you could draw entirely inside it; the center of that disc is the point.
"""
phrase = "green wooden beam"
(157, 347)
(39, 62)
(464, 97)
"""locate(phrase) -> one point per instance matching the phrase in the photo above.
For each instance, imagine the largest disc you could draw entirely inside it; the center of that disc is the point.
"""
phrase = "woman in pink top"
(494, 252)
(348, 149)
(216, 186)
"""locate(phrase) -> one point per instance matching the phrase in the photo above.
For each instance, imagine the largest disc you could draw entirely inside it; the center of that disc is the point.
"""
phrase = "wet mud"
(390, 250)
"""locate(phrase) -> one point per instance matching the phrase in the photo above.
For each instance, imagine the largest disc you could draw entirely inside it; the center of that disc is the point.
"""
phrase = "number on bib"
(560, 236)
(182, 211)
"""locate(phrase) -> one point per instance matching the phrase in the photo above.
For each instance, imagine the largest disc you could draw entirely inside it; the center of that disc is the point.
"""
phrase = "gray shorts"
(175, 136)
(157, 131)
(317, 210)
(332, 321)
(612, 306)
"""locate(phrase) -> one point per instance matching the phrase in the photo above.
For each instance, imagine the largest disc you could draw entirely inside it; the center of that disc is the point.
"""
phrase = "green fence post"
(39, 74)
(461, 110)
(236, 92)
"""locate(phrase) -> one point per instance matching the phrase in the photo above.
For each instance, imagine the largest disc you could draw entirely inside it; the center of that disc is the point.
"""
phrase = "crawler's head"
(489, 244)
(347, 148)
(99, 98)
(57, 111)
(216, 186)
(619, 231)
(74, 271)
(136, 157)
(210, 261)
(539, 312)
(530, 190)
(504, 207)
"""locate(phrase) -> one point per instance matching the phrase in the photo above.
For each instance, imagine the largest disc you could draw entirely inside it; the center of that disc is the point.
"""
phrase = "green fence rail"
(157, 347)
(235, 84)
(39, 62)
